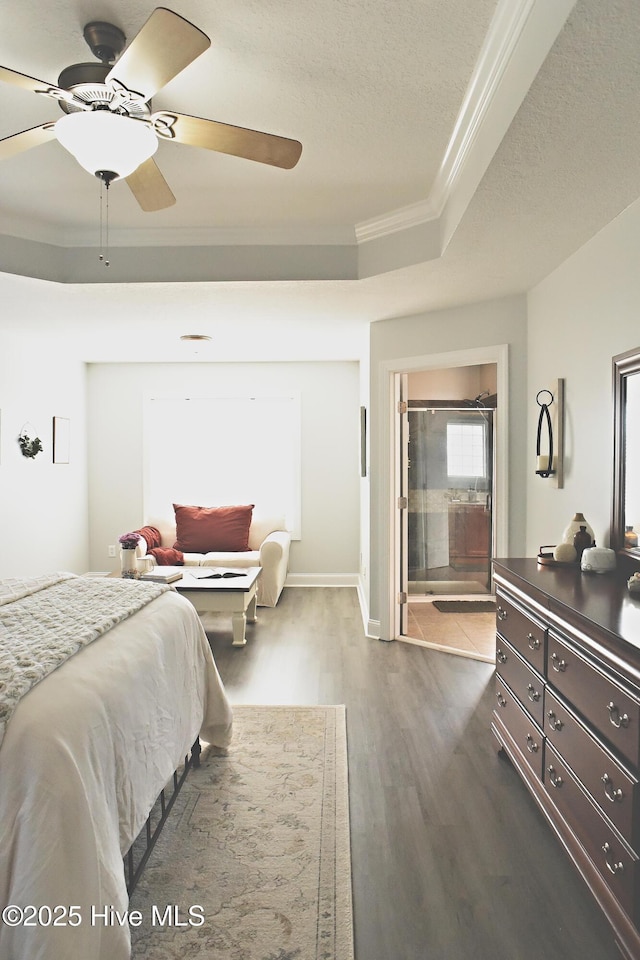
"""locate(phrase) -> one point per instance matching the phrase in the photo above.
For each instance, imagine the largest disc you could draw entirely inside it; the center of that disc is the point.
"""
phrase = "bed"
(84, 755)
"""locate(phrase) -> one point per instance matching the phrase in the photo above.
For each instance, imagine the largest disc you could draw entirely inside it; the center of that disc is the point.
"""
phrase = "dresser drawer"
(613, 787)
(614, 859)
(613, 711)
(521, 629)
(527, 735)
(527, 685)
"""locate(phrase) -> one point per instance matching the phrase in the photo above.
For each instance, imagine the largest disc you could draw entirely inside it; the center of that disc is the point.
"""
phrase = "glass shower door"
(450, 480)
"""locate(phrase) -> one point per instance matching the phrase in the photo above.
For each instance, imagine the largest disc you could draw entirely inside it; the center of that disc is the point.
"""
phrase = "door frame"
(391, 371)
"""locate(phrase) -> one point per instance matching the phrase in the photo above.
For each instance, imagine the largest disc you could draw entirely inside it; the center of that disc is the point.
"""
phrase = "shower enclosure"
(450, 486)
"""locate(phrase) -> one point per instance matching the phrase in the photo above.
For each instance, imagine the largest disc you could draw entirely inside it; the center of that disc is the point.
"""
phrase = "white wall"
(579, 318)
(441, 332)
(43, 506)
(330, 401)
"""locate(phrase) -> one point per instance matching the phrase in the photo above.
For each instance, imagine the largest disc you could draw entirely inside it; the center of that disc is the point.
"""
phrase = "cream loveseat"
(262, 541)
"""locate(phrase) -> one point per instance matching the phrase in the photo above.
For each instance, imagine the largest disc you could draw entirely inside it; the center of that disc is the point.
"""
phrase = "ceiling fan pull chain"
(101, 257)
(106, 262)
(104, 230)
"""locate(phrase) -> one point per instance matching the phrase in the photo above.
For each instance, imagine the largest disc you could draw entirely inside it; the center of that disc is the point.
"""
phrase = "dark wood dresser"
(567, 714)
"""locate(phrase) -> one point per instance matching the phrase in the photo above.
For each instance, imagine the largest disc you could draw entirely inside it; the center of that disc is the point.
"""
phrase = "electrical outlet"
(111, 550)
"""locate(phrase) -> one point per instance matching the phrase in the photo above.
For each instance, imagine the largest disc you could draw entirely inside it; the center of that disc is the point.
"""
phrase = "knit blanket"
(163, 556)
(45, 620)
(167, 556)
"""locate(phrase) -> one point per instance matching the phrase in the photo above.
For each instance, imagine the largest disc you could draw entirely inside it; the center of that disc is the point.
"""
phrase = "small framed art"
(61, 432)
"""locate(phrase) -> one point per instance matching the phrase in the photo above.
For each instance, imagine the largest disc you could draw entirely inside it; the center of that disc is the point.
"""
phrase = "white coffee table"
(235, 595)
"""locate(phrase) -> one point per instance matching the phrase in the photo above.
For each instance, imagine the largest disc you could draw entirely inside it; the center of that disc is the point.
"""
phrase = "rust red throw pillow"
(207, 529)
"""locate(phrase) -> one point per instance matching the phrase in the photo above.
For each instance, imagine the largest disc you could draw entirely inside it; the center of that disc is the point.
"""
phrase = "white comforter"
(85, 754)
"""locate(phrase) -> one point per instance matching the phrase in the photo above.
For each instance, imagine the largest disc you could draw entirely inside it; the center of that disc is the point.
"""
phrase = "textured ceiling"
(569, 164)
(372, 90)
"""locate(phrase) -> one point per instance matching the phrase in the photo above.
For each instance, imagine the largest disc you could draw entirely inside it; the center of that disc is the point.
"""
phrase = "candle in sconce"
(543, 463)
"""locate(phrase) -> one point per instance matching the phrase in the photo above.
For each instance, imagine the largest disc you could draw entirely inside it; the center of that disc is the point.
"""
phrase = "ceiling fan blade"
(165, 45)
(25, 140)
(22, 80)
(150, 188)
(39, 86)
(237, 141)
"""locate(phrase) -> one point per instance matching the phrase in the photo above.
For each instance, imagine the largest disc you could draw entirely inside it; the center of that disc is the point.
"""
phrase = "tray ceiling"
(451, 151)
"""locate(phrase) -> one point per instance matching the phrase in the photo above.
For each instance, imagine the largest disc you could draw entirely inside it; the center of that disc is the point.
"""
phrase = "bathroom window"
(466, 450)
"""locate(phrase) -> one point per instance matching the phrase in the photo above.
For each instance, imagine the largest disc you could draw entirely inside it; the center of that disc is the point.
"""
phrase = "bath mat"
(465, 606)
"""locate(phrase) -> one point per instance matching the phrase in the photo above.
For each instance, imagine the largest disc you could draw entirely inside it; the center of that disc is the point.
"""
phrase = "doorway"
(450, 482)
(392, 375)
(447, 447)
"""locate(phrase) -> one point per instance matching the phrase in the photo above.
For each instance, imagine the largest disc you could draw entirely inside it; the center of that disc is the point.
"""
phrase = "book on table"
(214, 573)
(166, 574)
(163, 574)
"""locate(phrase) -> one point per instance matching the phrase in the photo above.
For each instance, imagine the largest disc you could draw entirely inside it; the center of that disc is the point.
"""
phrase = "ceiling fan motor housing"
(86, 82)
(105, 41)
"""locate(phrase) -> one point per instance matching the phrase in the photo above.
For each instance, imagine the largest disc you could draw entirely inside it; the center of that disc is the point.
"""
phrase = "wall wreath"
(30, 448)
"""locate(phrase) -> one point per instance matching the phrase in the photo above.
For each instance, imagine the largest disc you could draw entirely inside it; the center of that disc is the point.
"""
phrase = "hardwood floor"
(451, 858)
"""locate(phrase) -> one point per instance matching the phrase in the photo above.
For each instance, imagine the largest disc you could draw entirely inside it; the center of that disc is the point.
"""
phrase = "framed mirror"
(625, 518)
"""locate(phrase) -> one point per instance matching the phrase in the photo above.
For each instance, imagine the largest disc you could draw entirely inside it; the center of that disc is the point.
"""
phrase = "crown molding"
(498, 49)
(413, 215)
(520, 29)
(515, 47)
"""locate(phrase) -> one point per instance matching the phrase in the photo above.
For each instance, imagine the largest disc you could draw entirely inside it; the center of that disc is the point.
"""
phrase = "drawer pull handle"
(555, 779)
(501, 700)
(532, 746)
(609, 791)
(611, 867)
(558, 665)
(532, 693)
(534, 642)
(501, 655)
(554, 723)
(614, 716)
(502, 613)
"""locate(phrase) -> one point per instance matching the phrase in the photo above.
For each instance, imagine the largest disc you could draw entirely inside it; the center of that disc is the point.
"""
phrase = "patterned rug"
(254, 861)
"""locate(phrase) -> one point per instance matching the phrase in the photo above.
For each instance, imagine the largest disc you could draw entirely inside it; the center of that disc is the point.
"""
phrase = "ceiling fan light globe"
(100, 140)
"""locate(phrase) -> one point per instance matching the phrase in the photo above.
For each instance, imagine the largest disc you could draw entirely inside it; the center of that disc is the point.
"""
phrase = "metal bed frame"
(149, 834)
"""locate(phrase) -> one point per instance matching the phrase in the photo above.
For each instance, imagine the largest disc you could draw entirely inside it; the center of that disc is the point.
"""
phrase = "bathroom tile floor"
(466, 634)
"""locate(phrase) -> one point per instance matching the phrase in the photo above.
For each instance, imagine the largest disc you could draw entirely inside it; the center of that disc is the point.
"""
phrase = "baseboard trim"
(322, 580)
(371, 627)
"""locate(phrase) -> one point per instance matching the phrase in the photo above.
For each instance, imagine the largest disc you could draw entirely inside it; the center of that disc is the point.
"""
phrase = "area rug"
(465, 606)
(254, 861)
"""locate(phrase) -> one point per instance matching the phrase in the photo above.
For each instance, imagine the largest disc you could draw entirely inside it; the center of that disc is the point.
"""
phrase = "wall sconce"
(544, 464)
(551, 421)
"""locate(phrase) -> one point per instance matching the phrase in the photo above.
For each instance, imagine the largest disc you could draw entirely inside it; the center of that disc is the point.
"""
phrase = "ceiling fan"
(108, 123)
